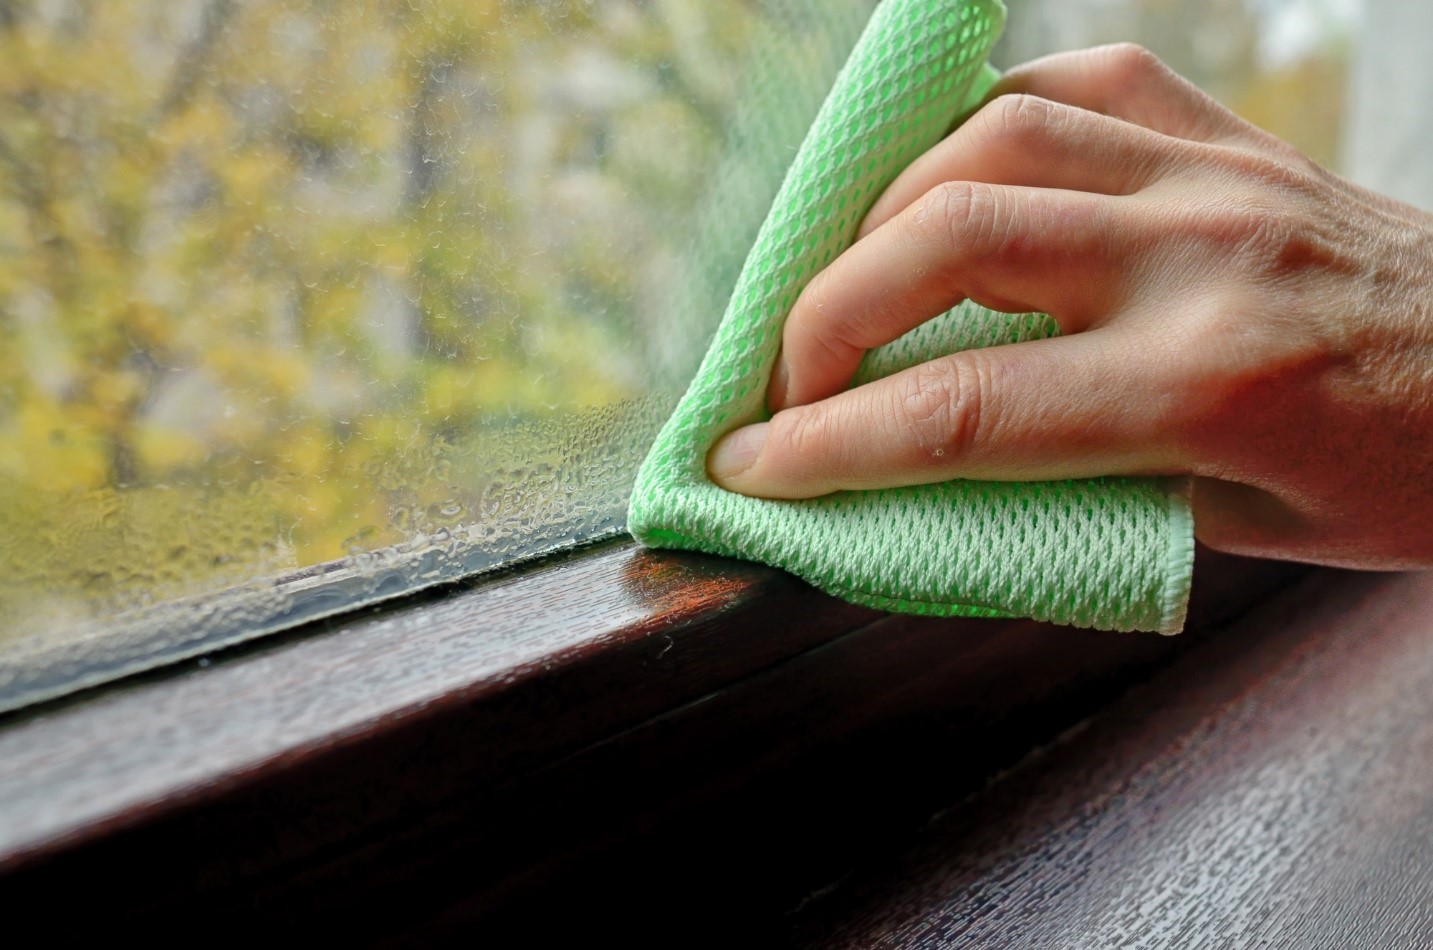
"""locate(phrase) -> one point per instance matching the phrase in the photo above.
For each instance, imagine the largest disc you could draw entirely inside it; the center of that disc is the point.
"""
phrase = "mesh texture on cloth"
(1114, 553)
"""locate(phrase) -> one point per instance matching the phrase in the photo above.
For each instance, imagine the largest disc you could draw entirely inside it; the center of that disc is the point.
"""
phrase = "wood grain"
(533, 664)
(457, 756)
(1274, 788)
(731, 811)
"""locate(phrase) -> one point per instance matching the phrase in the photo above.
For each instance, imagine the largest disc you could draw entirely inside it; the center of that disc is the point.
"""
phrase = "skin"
(1229, 310)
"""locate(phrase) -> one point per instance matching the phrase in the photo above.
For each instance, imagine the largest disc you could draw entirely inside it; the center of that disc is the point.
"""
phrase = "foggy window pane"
(305, 304)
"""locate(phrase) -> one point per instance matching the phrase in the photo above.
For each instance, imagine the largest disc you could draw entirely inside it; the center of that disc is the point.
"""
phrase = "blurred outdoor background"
(311, 296)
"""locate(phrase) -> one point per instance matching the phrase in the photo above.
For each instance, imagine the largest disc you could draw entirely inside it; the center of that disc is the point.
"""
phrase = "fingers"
(1011, 249)
(1026, 140)
(1107, 120)
(1032, 235)
(1130, 83)
(1059, 408)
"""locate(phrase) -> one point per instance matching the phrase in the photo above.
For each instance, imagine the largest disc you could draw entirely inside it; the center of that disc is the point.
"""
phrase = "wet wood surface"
(1272, 788)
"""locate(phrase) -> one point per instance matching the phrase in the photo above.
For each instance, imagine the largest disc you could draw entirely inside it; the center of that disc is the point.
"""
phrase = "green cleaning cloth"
(1114, 553)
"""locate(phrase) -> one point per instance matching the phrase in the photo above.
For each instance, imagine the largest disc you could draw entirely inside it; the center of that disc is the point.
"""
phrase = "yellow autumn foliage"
(283, 282)
(288, 251)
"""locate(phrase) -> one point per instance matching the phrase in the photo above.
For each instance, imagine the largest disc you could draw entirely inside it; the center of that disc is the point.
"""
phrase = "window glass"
(1282, 64)
(304, 303)
(307, 303)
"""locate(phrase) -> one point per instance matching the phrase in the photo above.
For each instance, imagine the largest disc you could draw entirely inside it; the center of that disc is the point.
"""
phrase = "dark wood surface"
(1272, 788)
(622, 719)
(87, 768)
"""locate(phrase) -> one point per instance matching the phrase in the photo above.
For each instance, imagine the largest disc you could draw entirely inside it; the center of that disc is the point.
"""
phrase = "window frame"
(285, 774)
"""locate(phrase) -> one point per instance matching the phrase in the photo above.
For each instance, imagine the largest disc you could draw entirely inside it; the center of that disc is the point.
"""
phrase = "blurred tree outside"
(269, 270)
(284, 282)
(1281, 64)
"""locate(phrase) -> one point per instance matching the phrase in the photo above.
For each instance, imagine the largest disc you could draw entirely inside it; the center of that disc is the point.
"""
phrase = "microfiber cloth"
(1113, 553)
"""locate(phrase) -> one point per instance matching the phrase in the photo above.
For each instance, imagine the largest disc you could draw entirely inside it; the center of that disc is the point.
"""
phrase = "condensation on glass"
(303, 305)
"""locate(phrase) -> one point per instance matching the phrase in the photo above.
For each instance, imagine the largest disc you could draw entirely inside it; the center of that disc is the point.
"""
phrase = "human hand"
(1228, 309)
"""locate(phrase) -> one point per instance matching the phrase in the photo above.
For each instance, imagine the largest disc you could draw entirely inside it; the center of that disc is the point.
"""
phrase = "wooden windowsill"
(440, 758)
(1272, 787)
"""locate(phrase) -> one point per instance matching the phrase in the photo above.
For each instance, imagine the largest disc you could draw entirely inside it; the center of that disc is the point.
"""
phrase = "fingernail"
(736, 452)
(780, 382)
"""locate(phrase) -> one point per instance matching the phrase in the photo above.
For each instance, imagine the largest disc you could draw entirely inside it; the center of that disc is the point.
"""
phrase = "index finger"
(1007, 248)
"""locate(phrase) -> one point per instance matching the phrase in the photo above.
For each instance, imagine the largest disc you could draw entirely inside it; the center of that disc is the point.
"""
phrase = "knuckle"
(1238, 224)
(814, 302)
(1275, 240)
(960, 214)
(1267, 229)
(1278, 224)
(801, 433)
(1016, 119)
(809, 317)
(939, 212)
(1284, 174)
(941, 405)
(1131, 62)
(819, 325)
